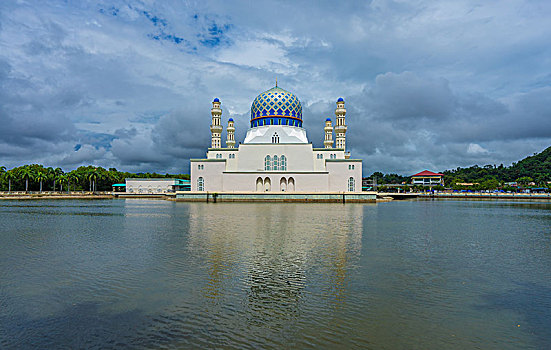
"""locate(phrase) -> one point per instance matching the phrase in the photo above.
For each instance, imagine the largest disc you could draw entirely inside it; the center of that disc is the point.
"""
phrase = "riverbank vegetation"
(531, 172)
(36, 177)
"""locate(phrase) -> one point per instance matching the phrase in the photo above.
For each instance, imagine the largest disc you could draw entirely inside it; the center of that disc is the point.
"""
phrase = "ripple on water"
(156, 274)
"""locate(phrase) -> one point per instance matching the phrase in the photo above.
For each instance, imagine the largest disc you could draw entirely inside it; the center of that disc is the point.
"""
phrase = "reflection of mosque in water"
(276, 258)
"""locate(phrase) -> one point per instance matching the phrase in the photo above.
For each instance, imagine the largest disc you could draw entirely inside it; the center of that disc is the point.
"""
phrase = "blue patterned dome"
(276, 107)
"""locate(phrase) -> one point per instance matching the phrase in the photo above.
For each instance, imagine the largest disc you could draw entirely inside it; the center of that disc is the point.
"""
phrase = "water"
(156, 274)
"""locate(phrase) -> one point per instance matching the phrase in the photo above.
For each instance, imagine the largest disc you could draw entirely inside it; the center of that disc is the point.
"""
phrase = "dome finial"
(276, 81)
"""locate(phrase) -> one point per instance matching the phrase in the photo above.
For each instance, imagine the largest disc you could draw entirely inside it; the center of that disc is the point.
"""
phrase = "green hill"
(536, 168)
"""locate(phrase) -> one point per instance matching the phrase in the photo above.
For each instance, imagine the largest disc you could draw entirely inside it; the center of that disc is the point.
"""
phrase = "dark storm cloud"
(181, 134)
(407, 97)
(427, 84)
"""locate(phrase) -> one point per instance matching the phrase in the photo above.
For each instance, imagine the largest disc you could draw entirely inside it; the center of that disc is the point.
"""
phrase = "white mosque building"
(276, 155)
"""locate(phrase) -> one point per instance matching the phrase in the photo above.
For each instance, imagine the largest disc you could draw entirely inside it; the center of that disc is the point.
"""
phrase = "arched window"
(351, 184)
(283, 163)
(283, 184)
(200, 184)
(267, 163)
(275, 138)
(291, 185)
(259, 185)
(275, 163)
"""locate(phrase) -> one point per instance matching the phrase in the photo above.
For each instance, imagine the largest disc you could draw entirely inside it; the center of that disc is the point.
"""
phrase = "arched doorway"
(291, 185)
(259, 185)
(267, 184)
(283, 184)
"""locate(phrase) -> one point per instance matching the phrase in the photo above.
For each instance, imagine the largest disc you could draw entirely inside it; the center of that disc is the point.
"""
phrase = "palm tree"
(2, 171)
(50, 174)
(61, 178)
(72, 176)
(26, 174)
(56, 174)
(93, 176)
(40, 176)
(9, 175)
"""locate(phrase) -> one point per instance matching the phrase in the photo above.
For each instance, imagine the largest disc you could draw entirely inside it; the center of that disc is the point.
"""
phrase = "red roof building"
(427, 178)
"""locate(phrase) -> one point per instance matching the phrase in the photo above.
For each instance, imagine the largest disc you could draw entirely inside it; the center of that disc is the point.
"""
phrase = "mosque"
(276, 155)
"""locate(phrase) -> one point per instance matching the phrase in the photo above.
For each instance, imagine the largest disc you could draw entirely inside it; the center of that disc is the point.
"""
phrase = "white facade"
(151, 186)
(427, 181)
(278, 157)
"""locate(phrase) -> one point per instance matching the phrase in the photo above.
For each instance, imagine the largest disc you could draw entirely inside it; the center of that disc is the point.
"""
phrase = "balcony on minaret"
(328, 141)
(230, 139)
(340, 127)
(216, 127)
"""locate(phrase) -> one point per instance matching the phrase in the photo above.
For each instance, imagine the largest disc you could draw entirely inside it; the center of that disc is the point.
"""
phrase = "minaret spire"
(340, 127)
(328, 142)
(215, 127)
(230, 138)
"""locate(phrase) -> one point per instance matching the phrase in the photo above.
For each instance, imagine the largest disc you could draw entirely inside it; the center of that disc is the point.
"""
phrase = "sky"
(129, 84)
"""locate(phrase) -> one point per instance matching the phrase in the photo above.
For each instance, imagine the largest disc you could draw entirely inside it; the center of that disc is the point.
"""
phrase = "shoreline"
(523, 196)
(37, 196)
(271, 197)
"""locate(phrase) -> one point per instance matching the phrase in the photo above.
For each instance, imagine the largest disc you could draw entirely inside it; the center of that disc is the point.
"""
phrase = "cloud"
(407, 96)
(476, 149)
(82, 155)
(427, 84)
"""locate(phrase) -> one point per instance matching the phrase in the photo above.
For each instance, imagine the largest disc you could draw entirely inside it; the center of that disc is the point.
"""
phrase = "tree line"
(36, 177)
(532, 171)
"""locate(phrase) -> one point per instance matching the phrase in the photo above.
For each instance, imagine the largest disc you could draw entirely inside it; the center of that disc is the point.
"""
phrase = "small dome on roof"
(328, 119)
(230, 120)
(340, 99)
(216, 99)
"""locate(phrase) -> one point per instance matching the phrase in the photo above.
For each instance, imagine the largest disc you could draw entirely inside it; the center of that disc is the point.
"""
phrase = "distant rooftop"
(427, 173)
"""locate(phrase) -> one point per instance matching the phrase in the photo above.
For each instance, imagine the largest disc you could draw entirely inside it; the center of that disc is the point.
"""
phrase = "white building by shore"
(154, 185)
(276, 155)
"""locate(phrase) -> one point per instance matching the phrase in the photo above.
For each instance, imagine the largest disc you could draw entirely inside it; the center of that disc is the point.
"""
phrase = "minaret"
(230, 139)
(340, 127)
(328, 142)
(216, 127)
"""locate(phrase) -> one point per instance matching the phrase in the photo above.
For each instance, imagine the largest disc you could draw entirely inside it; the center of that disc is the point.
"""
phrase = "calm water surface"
(158, 274)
